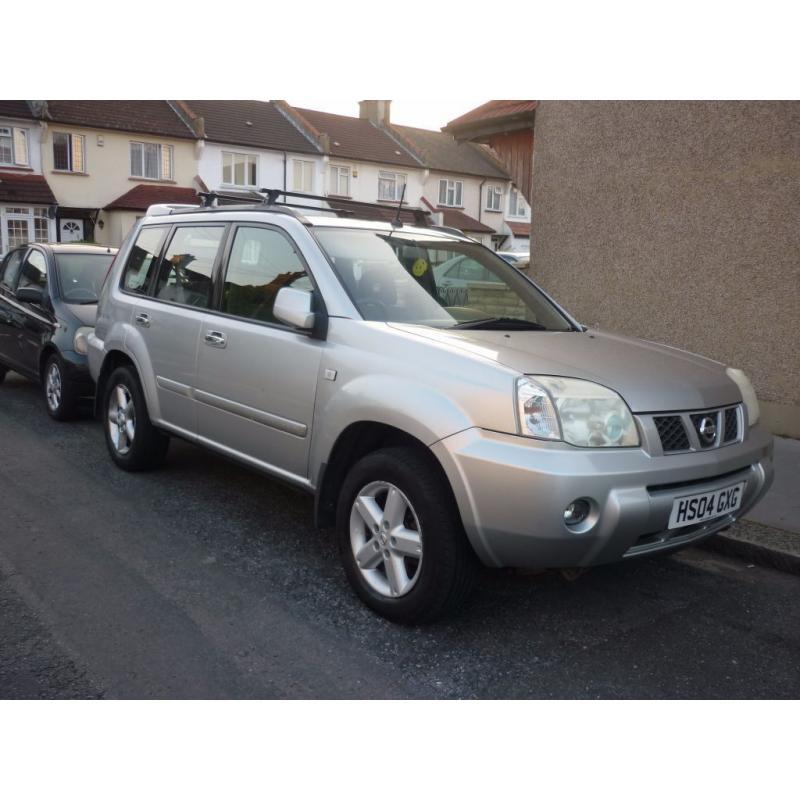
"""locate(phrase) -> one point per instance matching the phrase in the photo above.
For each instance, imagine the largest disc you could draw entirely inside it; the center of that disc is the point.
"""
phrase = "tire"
(132, 440)
(60, 396)
(393, 581)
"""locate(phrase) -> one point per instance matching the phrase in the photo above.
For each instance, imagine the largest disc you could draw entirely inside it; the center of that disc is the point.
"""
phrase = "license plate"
(696, 508)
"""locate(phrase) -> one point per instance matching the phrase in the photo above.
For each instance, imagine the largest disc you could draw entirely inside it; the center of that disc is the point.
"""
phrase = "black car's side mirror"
(30, 294)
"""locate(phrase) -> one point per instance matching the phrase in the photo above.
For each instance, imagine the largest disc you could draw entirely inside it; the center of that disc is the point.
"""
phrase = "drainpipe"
(480, 201)
(284, 172)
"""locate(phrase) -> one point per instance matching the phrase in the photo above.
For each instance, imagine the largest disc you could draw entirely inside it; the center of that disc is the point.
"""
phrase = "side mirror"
(30, 294)
(293, 306)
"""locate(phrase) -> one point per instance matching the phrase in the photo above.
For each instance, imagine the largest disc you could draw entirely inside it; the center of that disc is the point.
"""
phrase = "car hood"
(649, 376)
(87, 314)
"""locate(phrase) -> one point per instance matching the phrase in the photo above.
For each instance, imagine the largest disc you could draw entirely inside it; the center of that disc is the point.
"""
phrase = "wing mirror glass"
(293, 306)
(30, 294)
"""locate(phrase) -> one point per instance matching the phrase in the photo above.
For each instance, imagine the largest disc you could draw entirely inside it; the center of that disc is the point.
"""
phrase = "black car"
(48, 303)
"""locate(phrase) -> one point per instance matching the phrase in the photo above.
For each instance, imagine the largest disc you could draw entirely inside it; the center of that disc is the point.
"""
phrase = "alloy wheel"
(121, 419)
(53, 387)
(386, 539)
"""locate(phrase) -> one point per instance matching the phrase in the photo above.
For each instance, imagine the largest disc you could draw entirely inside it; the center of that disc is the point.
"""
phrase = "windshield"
(427, 280)
(81, 275)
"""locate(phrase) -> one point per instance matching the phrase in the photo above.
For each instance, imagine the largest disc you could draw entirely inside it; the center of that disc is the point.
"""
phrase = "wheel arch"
(113, 360)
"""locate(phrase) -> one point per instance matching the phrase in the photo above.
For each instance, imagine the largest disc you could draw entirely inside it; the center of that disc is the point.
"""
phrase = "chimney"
(376, 111)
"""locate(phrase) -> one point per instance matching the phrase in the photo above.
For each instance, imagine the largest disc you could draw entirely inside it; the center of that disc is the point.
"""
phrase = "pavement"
(769, 534)
(206, 580)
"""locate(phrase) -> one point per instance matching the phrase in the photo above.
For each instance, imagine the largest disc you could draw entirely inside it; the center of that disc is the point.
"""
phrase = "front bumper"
(76, 371)
(512, 493)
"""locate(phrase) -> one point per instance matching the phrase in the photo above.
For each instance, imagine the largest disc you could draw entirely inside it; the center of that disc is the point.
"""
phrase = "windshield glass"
(81, 275)
(426, 280)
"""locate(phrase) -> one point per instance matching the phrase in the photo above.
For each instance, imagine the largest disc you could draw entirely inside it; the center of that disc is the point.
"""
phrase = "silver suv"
(437, 426)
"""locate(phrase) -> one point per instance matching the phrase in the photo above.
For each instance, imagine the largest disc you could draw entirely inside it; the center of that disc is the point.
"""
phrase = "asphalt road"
(206, 580)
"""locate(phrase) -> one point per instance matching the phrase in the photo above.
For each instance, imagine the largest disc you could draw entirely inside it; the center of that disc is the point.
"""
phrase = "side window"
(142, 259)
(8, 275)
(185, 273)
(262, 262)
(34, 270)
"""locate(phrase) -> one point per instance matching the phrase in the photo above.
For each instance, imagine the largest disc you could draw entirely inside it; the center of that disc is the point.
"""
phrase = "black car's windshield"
(428, 280)
(81, 275)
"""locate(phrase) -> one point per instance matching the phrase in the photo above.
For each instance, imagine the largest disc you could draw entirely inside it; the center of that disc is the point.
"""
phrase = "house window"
(340, 180)
(239, 169)
(22, 224)
(516, 204)
(151, 161)
(69, 151)
(303, 180)
(450, 193)
(494, 198)
(14, 147)
(390, 185)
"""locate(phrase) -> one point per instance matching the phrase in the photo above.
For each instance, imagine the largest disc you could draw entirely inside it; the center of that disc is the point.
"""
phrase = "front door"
(256, 378)
(70, 230)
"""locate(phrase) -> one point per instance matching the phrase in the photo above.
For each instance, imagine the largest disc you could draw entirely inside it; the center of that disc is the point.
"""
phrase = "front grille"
(698, 420)
(672, 434)
(731, 432)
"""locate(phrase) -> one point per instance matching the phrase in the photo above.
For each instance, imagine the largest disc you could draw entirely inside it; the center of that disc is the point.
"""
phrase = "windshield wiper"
(501, 323)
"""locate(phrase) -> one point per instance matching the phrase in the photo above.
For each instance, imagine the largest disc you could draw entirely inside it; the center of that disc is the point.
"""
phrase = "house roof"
(378, 213)
(16, 108)
(154, 117)
(520, 228)
(18, 187)
(144, 195)
(440, 151)
(251, 123)
(493, 110)
(358, 139)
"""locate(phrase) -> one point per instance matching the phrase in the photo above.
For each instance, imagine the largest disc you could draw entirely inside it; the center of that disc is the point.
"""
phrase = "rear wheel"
(60, 396)
(401, 541)
(133, 442)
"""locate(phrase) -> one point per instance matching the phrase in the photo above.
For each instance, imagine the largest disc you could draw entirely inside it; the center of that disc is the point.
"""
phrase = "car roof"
(79, 249)
(254, 214)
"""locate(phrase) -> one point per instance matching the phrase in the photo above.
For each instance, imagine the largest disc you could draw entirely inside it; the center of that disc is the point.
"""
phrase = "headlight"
(80, 343)
(575, 411)
(748, 393)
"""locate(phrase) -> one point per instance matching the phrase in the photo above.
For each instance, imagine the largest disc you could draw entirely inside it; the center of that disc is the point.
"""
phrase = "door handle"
(142, 319)
(215, 339)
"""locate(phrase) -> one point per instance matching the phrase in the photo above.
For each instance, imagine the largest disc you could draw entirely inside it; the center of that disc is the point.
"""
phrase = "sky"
(430, 114)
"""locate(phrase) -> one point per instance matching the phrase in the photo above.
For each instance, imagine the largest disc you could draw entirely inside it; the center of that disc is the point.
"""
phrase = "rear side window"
(142, 259)
(185, 273)
(9, 272)
(34, 270)
(262, 261)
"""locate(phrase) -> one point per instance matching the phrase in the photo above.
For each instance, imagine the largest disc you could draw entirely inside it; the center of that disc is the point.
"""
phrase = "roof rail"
(164, 209)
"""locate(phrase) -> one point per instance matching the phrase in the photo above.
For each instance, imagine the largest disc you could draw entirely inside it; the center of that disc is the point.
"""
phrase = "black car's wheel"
(60, 396)
(133, 442)
(400, 537)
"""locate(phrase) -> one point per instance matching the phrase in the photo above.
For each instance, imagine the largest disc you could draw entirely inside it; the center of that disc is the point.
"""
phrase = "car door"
(37, 321)
(9, 307)
(167, 317)
(256, 377)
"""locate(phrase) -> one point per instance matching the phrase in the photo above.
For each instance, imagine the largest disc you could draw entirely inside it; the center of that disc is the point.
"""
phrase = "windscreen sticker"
(419, 268)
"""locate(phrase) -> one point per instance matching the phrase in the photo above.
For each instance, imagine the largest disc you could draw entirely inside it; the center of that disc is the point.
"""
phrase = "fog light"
(576, 512)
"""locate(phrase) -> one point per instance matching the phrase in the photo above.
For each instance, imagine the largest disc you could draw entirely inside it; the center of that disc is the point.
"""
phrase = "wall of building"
(107, 174)
(678, 222)
(364, 180)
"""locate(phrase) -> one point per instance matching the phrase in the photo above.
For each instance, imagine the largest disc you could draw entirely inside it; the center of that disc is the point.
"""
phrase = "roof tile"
(144, 195)
(154, 117)
(18, 187)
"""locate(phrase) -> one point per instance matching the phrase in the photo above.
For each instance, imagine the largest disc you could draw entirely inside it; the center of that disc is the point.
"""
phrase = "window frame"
(148, 292)
(385, 174)
(339, 168)
(247, 157)
(72, 137)
(303, 162)
(516, 213)
(160, 160)
(13, 131)
(494, 194)
(458, 192)
(23, 250)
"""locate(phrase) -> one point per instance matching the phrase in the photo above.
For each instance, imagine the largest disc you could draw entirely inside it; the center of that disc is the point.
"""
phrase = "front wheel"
(60, 396)
(401, 541)
(133, 442)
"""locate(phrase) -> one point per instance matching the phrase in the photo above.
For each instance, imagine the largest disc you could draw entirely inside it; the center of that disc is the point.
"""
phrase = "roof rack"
(268, 199)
